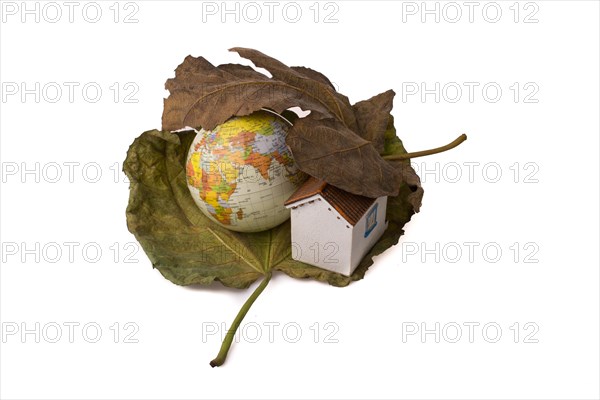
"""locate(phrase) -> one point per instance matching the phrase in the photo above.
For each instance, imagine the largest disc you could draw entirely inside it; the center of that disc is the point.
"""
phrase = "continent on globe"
(241, 172)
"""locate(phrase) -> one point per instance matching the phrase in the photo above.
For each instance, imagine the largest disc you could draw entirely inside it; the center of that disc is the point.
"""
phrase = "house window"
(371, 220)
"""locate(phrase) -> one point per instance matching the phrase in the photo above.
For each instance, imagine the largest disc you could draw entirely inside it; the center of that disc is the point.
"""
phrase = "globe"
(241, 172)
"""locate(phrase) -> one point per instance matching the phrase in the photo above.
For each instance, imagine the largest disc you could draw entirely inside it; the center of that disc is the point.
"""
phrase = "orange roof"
(351, 206)
(309, 188)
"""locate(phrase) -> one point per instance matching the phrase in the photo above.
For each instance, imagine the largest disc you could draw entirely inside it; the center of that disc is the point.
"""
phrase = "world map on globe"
(241, 172)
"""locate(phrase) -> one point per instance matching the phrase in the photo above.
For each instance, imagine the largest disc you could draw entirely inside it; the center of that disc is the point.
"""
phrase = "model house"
(333, 229)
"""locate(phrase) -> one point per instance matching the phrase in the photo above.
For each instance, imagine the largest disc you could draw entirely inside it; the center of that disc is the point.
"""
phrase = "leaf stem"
(416, 154)
(220, 359)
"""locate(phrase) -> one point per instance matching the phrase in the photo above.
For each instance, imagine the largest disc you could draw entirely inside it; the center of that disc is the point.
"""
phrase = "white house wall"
(360, 244)
(320, 235)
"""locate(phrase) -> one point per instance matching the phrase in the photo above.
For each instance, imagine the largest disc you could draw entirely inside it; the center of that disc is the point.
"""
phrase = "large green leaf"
(188, 248)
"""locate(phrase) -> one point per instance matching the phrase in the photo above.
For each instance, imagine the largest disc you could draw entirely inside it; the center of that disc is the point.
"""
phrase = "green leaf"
(182, 243)
(413, 191)
(188, 248)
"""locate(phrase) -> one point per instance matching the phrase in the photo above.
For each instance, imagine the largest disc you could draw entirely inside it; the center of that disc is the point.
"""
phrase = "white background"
(552, 208)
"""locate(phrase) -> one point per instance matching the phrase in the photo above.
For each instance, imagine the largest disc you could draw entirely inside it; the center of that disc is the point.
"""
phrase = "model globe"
(241, 172)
